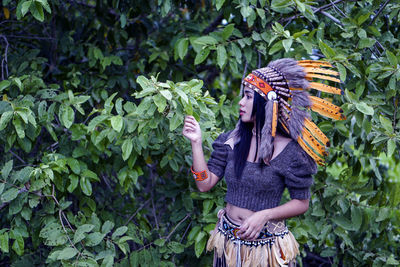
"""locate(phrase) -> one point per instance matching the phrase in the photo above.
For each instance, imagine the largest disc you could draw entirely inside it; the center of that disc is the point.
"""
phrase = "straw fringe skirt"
(276, 245)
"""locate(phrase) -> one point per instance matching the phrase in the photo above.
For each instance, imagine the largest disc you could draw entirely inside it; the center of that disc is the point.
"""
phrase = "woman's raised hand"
(191, 129)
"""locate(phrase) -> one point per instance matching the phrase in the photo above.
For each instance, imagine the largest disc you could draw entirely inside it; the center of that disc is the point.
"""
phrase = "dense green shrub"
(95, 170)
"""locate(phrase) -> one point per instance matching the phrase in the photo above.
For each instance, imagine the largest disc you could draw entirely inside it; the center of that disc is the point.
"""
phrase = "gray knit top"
(261, 186)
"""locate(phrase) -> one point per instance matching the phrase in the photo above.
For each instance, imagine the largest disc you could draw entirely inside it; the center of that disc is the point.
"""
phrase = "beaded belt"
(268, 234)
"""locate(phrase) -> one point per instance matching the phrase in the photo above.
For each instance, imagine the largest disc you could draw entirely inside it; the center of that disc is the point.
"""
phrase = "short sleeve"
(299, 173)
(217, 162)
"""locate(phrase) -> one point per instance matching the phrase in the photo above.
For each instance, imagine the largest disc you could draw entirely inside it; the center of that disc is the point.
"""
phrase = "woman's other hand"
(252, 226)
(191, 129)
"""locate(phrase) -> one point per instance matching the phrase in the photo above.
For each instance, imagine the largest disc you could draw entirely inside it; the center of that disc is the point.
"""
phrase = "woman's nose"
(241, 102)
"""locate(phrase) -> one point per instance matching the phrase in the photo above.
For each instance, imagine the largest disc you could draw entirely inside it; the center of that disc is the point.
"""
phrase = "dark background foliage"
(95, 170)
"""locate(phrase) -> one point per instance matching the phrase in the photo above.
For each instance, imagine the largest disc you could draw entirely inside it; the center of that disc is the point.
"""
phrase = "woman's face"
(246, 105)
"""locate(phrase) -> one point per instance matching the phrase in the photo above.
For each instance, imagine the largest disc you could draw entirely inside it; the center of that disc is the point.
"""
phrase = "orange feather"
(314, 62)
(322, 71)
(324, 77)
(305, 147)
(316, 132)
(325, 88)
(274, 118)
(327, 113)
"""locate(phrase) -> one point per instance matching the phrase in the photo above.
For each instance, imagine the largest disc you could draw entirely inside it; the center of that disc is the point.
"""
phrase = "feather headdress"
(284, 84)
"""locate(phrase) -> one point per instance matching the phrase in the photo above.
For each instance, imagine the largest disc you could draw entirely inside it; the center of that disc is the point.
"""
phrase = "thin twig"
(379, 12)
(338, 9)
(5, 59)
(184, 234)
(315, 10)
(136, 212)
(332, 17)
(173, 230)
(15, 155)
(66, 233)
(30, 37)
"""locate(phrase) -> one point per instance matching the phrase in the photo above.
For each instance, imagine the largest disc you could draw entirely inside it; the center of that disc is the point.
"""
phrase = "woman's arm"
(251, 227)
(192, 131)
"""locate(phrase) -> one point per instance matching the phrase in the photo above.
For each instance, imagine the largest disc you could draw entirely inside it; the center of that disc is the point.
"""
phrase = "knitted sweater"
(261, 186)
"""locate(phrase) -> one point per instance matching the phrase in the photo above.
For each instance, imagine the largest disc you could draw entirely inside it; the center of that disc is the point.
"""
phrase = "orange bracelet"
(199, 176)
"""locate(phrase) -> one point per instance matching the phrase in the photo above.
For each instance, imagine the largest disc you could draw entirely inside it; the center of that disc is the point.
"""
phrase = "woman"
(266, 152)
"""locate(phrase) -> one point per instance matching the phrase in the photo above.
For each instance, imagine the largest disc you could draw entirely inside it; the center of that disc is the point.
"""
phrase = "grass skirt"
(275, 246)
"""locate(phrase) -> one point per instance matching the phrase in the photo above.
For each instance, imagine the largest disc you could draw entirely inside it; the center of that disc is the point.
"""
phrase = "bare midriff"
(236, 214)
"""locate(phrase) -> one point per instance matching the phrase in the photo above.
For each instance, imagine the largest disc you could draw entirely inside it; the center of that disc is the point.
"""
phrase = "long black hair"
(241, 149)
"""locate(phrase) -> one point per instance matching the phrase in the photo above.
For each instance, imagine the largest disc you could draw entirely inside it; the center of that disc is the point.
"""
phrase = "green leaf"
(18, 245)
(74, 165)
(287, 43)
(167, 94)
(342, 71)
(91, 175)
(117, 123)
(392, 261)
(107, 226)
(67, 253)
(206, 40)
(390, 56)
(5, 118)
(160, 102)
(9, 195)
(326, 49)
(45, 5)
(67, 115)
(2, 186)
(122, 20)
(227, 32)
(74, 180)
(386, 123)
(5, 171)
(391, 147)
(343, 222)
(275, 48)
(383, 214)
(37, 11)
(94, 239)
(366, 42)
(221, 56)
(182, 46)
(160, 242)
(86, 186)
(4, 246)
(80, 232)
(126, 147)
(19, 128)
(364, 108)
(200, 244)
(119, 231)
(108, 261)
(4, 84)
(175, 121)
(25, 7)
(201, 56)
(219, 4)
(356, 217)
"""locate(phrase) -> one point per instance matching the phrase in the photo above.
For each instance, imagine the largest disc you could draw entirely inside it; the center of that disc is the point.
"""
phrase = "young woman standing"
(274, 145)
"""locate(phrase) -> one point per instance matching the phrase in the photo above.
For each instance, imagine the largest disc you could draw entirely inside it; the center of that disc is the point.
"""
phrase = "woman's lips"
(241, 113)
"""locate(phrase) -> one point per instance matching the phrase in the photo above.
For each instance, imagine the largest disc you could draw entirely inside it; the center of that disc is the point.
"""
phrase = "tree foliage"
(95, 170)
